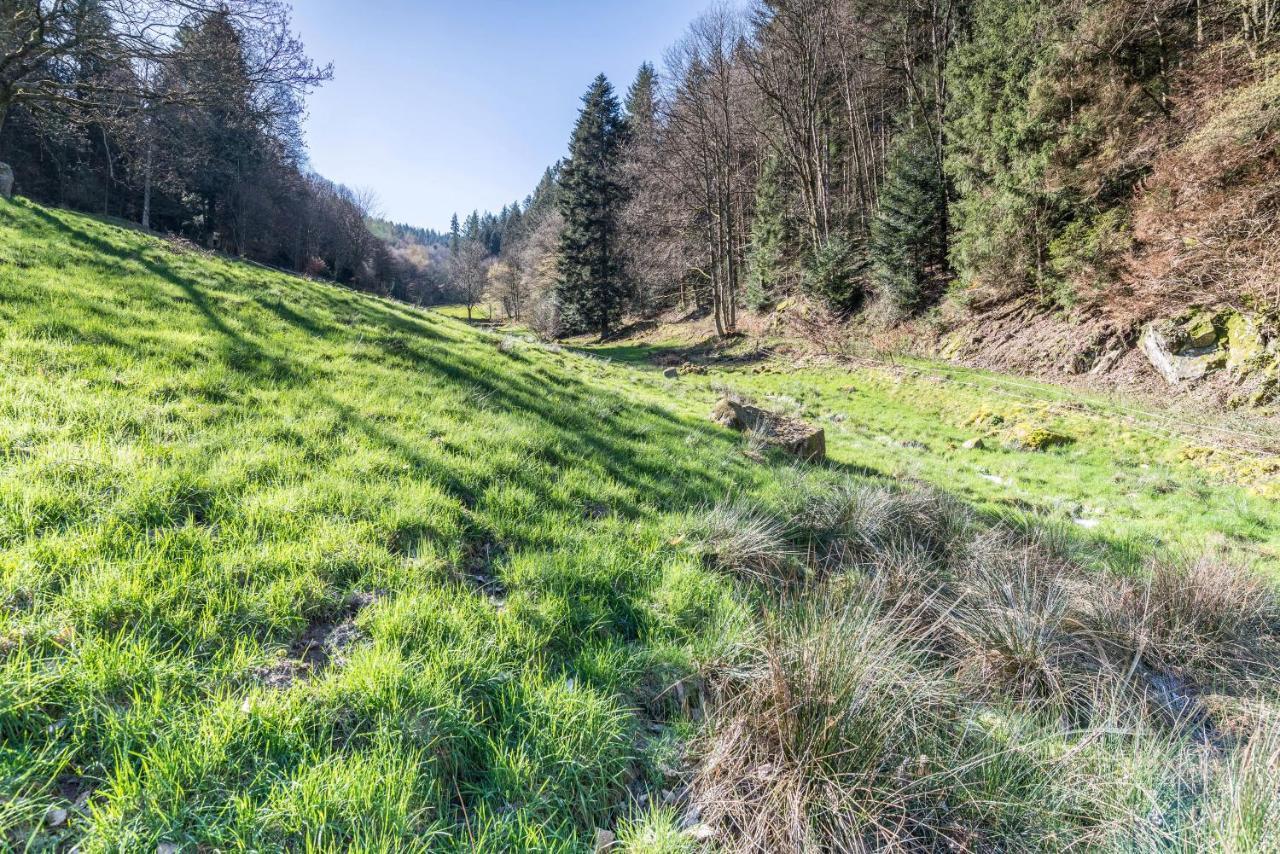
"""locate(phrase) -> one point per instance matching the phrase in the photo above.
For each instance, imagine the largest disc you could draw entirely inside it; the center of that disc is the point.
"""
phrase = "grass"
(1125, 474)
(285, 567)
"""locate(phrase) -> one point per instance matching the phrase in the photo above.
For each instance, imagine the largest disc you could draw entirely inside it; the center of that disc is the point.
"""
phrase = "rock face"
(1179, 353)
(6, 181)
(795, 437)
(1245, 344)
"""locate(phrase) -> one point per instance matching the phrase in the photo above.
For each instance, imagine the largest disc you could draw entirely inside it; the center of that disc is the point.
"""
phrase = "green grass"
(1130, 476)
(204, 462)
(459, 312)
(288, 567)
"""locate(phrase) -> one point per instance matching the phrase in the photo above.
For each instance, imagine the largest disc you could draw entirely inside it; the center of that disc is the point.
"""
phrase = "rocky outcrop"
(791, 435)
(6, 181)
(1241, 344)
(1173, 351)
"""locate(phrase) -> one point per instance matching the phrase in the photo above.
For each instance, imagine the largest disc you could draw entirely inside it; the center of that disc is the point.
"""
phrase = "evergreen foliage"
(836, 273)
(1000, 145)
(592, 287)
(908, 245)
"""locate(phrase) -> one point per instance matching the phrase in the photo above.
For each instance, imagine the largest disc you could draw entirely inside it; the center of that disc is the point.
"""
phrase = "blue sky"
(450, 106)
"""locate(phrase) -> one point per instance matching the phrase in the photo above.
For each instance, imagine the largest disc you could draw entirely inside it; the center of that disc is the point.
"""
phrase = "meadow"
(287, 567)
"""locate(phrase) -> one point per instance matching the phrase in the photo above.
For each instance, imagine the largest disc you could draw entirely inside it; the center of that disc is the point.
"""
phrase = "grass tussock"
(945, 683)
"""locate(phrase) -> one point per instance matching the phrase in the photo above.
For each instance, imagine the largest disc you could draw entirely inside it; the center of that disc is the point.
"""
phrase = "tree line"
(869, 153)
(183, 116)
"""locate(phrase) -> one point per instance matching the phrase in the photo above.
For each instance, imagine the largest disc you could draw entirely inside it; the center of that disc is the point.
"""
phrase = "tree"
(455, 236)
(47, 46)
(469, 273)
(767, 261)
(506, 285)
(908, 245)
(592, 287)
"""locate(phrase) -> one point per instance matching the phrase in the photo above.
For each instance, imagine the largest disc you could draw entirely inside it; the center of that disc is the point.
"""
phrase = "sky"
(454, 106)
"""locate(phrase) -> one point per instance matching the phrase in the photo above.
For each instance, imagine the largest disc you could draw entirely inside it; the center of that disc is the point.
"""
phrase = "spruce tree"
(642, 107)
(908, 245)
(455, 236)
(592, 287)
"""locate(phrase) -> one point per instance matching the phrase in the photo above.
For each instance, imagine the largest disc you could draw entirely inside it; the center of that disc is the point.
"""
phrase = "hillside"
(289, 567)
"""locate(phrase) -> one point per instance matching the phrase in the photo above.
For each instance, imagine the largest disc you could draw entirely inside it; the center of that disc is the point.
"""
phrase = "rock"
(671, 373)
(55, 817)
(701, 832)
(605, 840)
(793, 436)
(1168, 347)
(1200, 330)
(6, 181)
(1245, 343)
(168, 848)
(975, 444)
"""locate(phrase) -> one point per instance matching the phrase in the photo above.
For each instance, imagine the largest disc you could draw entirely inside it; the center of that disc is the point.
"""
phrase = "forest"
(897, 160)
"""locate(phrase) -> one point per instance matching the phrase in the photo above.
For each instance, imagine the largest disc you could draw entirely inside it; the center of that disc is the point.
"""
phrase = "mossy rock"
(985, 417)
(1032, 437)
(1247, 348)
(1201, 330)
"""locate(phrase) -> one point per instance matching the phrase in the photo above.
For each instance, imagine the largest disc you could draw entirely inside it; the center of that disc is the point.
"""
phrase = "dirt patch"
(477, 570)
(324, 644)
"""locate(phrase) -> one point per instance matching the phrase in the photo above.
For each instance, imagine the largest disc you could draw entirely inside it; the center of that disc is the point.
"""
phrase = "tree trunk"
(146, 184)
(6, 174)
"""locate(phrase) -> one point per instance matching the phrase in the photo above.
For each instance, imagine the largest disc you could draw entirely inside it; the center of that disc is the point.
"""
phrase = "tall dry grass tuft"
(1016, 622)
(1208, 618)
(825, 743)
(748, 541)
(934, 682)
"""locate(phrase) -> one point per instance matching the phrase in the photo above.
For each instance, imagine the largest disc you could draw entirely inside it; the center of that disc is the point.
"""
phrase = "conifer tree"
(455, 236)
(769, 237)
(592, 287)
(908, 245)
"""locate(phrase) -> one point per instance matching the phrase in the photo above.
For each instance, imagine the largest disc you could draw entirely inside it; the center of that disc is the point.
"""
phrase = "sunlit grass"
(285, 567)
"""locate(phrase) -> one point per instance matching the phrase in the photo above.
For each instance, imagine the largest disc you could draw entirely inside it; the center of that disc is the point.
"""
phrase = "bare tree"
(100, 57)
(469, 273)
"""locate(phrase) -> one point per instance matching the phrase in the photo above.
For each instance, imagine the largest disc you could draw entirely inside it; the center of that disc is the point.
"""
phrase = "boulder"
(793, 436)
(6, 181)
(1171, 350)
(671, 373)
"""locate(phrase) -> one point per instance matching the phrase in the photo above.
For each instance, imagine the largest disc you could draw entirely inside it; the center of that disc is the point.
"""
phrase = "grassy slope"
(204, 462)
(1133, 477)
(287, 565)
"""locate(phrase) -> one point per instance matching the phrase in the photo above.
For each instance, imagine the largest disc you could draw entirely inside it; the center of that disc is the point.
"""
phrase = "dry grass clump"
(940, 683)
(1016, 621)
(747, 541)
(1208, 618)
(825, 745)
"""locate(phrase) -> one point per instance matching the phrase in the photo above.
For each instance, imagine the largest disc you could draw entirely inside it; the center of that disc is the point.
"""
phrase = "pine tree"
(471, 230)
(455, 236)
(592, 287)
(908, 245)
